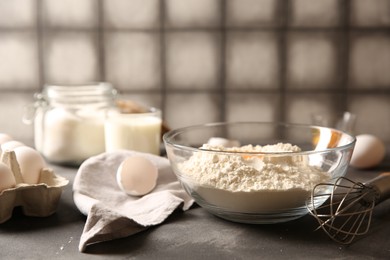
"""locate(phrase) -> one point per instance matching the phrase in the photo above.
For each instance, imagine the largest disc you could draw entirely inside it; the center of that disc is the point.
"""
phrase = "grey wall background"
(204, 60)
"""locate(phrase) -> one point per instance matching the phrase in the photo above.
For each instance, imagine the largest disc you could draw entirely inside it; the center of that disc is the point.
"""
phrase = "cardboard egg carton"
(38, 200)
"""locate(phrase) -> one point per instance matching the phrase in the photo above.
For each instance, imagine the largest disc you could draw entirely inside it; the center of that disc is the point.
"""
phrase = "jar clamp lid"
(91, 93)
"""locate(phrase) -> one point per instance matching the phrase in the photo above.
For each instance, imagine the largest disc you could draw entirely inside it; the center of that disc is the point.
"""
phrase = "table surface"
(194, 234)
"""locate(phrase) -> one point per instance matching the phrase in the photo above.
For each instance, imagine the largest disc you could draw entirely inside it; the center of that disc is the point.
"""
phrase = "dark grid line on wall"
(40, 50)
(222, 87)
(345, 7)
(101, 40)
(282, 61)
(163, 87)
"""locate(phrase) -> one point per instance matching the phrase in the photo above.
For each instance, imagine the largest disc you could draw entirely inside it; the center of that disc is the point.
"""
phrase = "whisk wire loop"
(343, 211)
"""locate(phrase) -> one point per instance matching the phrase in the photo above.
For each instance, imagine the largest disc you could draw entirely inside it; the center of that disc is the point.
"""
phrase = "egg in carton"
(38, 198)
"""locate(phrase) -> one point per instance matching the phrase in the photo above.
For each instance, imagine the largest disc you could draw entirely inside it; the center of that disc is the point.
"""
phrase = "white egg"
(11, 145)
(369, 151)
(4, 138)
(31, 163)
(137, 176)
(7, 178)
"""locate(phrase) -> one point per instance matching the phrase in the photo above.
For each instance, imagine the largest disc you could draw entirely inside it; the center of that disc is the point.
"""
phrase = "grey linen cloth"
(111, 213)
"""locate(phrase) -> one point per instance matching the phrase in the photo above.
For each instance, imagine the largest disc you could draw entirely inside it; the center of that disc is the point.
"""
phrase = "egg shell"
(369, 151)
(30, 162)
(5, 138)
(7, 178)
(11, 145)
(137, 176)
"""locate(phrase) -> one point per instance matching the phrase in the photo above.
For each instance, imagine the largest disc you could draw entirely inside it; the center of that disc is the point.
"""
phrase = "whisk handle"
(381, 184)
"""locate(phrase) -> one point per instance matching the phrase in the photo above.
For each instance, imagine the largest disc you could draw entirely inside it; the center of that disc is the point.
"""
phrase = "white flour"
(244, 182)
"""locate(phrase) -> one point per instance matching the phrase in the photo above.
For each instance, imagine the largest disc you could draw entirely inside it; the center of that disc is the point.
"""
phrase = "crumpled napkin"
(113, 214)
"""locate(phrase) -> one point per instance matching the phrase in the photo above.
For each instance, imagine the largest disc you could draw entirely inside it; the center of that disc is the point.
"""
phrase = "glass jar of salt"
(69, 121)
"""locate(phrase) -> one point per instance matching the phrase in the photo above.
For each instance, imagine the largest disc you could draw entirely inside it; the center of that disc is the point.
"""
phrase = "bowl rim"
(167, 138)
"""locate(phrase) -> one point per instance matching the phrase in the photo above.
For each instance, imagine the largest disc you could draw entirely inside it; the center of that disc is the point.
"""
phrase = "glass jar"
(134, 131)
(69, 121)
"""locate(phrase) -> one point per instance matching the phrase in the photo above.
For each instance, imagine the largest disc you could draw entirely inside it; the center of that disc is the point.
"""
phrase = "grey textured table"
(194, 234)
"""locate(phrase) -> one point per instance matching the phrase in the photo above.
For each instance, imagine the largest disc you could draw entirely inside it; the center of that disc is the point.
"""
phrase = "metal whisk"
(346, 206)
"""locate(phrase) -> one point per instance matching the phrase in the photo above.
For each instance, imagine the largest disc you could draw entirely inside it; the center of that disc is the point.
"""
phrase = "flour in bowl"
(242, 181)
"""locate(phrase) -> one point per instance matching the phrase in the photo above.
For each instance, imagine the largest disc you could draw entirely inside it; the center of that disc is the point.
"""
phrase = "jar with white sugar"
(69, 121)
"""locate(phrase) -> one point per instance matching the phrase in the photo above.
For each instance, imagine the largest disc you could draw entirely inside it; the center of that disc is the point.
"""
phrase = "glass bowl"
(257, 172)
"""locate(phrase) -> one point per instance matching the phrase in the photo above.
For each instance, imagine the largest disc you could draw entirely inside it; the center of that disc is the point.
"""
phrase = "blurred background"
(204, 60)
